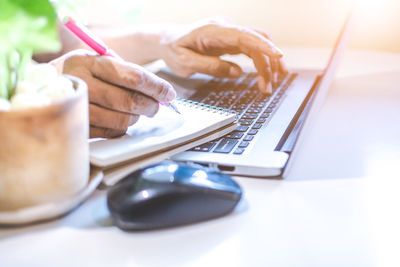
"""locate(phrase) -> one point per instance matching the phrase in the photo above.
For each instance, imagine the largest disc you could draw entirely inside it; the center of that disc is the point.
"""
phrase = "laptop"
(270, 128)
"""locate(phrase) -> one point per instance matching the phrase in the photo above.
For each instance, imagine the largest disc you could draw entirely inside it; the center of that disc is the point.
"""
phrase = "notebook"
(154, 139)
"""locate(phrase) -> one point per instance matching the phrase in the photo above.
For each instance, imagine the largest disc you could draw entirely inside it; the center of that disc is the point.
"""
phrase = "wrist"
(156, 39)
(149, 39)
(139, 45)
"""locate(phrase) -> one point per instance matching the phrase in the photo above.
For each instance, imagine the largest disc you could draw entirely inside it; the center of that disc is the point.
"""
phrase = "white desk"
(338, 207)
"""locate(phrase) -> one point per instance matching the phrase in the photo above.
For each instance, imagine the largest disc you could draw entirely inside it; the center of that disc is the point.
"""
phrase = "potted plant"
(44, 153)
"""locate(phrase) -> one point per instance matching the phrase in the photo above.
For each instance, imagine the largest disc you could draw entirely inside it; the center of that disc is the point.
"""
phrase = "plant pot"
(44, 151)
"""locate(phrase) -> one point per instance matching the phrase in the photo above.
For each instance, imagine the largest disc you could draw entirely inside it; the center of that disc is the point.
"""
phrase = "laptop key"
(238, 151)
(252, 132)
(242, 128)
(234, 135)
(245, 123)
(197, 148)
(256, 126)
(264, 115)
(248, 138)
(249, 116)
(260, 105)
(261, 120)
(207, 146)
(225, 146)
(254, 110)
(204, 147)
(244, 144)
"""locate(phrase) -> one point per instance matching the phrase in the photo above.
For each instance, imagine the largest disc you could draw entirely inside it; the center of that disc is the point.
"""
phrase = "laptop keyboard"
(253, 108)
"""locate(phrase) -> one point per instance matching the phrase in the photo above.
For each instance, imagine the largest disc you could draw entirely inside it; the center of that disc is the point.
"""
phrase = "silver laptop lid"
(319, 92)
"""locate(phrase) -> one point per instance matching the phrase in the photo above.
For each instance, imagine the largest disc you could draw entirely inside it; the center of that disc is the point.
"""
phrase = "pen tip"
(174, 108)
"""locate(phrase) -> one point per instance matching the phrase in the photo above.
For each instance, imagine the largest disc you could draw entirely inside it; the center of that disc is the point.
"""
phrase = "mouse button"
(211, 180)
(185, 173)
(149, 202)
(151, 193)
(125, 201)
(124, 191)
(225, 182)
(160, 173)
(158, 190)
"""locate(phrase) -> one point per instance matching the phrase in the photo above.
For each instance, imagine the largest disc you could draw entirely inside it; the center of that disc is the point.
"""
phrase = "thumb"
(213, 66)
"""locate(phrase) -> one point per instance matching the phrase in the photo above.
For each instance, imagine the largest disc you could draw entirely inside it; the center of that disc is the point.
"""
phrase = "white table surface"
(339, 206)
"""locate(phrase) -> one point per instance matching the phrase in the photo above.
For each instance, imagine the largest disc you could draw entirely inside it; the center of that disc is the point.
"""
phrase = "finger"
(263, 66)
(106, 118)
(96, 132)
(250, 41)
(261, 32)
(210, 65)
(274, 70)
(132, 77)
(217, 39)
(259, 43)
(283, 69)
(119, 99)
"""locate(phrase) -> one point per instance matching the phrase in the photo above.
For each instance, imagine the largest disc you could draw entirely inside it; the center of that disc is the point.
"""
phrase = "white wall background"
(290, 22)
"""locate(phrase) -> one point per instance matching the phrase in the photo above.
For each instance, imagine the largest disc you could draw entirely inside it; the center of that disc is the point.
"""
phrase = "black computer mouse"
(171, 194)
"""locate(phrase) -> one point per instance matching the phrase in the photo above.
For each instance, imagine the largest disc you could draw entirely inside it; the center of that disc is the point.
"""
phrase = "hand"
(198, 48)
(119, 92)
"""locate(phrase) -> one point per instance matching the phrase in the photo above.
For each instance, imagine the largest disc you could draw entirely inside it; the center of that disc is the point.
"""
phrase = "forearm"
(139, 45)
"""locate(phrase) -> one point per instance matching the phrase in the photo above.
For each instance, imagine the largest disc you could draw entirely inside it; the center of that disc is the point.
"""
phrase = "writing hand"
(119, 92)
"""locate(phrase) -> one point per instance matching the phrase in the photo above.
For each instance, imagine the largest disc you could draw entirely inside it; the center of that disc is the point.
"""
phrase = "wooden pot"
(44, 152)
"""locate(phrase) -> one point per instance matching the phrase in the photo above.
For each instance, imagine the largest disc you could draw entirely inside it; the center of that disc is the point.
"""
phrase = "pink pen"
(97, 45)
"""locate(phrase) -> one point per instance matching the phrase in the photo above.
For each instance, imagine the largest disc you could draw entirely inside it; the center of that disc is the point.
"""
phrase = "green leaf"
(26, 27)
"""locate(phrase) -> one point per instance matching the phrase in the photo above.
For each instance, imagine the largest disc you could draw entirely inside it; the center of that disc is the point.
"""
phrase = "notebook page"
(165, 129)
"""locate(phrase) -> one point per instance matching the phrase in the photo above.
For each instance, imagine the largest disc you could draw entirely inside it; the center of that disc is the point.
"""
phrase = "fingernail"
(275, 77)
(278, 52)
(234, 72)
(269, 88)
